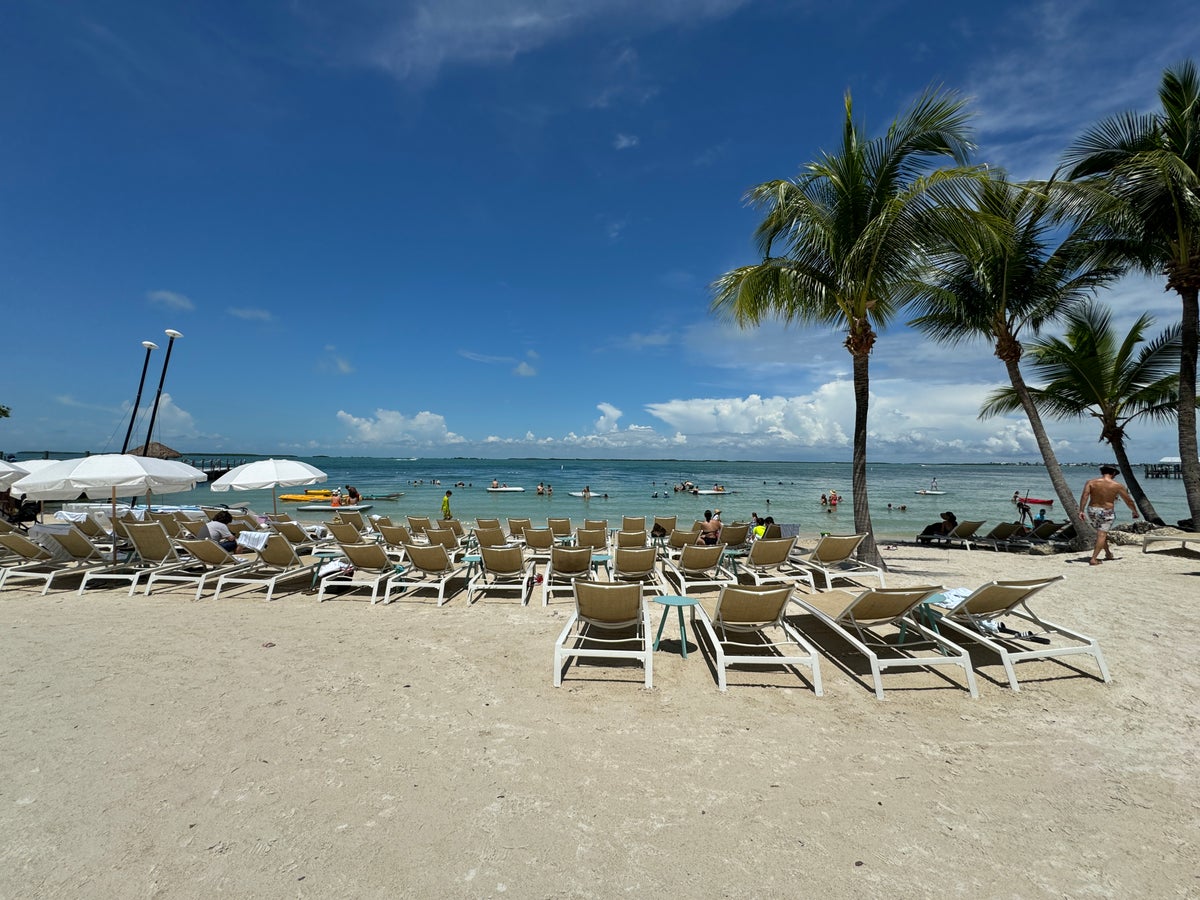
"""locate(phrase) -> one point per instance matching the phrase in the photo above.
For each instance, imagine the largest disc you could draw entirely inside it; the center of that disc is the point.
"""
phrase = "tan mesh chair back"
(997, 598)
(487, 523)
(516, 527)
(560, 527)
(594, 524)
(167, 520)
(344, 533)
(668, 523)
(699, 559)
(503, 561)
(418, 524)
(609, 605)
(76, 543)
(631, 538)
(769, 553)
(394, 535)
(191, 529)
(570, 562)
(5, 528)
(633, 523)
(279, 517)
(490, 537)
(772, 532)
(443, 536)
(25, 548)
(884, 604)
(754, 607)
(835, 548)
(735, 535)
(208, 552)
(431, 559)
(452, 525)
(92, 529)
(151, 543)
(351, 517)
(680, 539)
(593, 538)
(634, 563)
(368, 557)
(292, 532)
(539, 541)
(381, 520)
(278, 553)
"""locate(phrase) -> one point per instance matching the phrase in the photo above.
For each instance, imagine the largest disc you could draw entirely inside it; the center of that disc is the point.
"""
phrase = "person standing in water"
(1097, 505)
(446, 506)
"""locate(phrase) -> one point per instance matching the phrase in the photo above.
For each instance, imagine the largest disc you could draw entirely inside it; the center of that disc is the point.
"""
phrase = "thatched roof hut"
(157, 451)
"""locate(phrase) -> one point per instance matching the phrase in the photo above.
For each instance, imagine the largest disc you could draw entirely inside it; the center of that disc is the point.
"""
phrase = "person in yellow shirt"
(446, 506)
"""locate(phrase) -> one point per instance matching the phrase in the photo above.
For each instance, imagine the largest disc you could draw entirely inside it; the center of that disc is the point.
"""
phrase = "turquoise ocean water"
(789, 491)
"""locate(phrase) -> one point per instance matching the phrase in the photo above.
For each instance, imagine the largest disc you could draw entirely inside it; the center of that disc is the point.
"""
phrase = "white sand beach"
(160, 747)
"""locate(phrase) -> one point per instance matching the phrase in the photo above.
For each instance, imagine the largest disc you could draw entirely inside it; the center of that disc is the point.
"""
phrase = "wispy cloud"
(525, 370)
(251, 315)
(171, 300)
(485, 358)
(625, 141)
(333, 363)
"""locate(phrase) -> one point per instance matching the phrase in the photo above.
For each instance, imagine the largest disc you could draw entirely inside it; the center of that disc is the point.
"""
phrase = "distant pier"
(1163, 470)
(214, 468)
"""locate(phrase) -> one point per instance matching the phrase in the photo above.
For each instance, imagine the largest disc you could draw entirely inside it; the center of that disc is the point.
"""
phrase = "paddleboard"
(505, 490)
(714, 492)
(587, 495)
(930, 493)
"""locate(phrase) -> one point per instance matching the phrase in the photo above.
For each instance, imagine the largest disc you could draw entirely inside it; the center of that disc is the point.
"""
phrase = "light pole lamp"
(150, 346)
(171, 335)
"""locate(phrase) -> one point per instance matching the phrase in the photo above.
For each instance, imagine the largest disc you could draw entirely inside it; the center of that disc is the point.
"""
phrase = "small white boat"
(930, 493)
(505, 490)
(713, 492)
(328, 507)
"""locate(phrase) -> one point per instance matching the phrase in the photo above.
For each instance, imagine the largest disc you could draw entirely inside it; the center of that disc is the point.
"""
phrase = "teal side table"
(679, 603)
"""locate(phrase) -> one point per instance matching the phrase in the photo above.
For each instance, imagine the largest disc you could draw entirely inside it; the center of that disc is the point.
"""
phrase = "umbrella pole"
(274, 500)
(113, 523)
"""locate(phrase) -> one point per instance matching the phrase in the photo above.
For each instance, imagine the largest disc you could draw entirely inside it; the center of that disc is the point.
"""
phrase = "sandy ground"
(160, 747)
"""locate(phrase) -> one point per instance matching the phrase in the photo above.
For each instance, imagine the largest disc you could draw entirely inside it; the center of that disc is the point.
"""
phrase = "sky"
(489, 227)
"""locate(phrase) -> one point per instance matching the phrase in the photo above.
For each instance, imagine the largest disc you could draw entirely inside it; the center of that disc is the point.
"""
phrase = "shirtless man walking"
(1096, 504)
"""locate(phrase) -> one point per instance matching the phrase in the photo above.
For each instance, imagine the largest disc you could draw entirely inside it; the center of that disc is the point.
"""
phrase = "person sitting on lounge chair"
(710, 529)
(218, 531)
(945, 525)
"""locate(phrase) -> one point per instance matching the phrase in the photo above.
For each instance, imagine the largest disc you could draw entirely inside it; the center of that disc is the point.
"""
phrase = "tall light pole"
(171, 334)
(149, 345)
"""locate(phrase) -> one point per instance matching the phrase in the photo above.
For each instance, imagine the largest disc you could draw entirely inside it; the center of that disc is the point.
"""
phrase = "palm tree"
(1014, 266)
(1151, 165)
(851, 226)
(1092, 371)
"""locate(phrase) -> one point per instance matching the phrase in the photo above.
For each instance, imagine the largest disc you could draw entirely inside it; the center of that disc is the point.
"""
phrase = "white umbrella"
(119, 473)
(268, 473)
(10, 472)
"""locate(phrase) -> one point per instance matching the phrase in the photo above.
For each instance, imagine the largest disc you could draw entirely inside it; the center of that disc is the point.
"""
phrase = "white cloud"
(425, 429)
(625, 141)
(171, 300)
(251, 315)
(525, 370)
(334, 363)
(609, 415)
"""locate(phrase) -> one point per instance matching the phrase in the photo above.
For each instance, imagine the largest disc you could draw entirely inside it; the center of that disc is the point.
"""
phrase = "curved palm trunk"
(1135, 487)
(1189, 465)
(868, 551)
(1086, 534)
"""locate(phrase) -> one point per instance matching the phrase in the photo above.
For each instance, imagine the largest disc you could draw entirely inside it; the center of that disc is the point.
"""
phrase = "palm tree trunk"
(1086, 534)
(868, 551)
(1135, 487)
(1189, 465)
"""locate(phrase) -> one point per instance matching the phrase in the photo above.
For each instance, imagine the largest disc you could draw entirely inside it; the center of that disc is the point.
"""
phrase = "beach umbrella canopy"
(268, 473)
(118, 473)
(10, 472)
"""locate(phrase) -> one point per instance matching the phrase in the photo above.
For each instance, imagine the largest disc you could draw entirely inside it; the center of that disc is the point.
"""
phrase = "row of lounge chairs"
(1005, 536)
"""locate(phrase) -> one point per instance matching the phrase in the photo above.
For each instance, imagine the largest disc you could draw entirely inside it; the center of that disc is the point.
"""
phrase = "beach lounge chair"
(394, 538)
(748, 628)
(679, 539)
(430, 568)
(447, 539)
(352, 517)
(633, 523)
(344, 533)
(560, 527)
(20, 552)
(631, 539)
(768, 563)
(962, 533)
(207, 562)
(168, 521)
(37, 564)
(277, 563)
(538, 543)
(593, 524)
(418, 524)
(833, 557)
(638, 564)
(278, 517)
(460, 533)
(489, 537)
(503, 570)
(860, 621)
(487, 523)
(566, 566)
(153, 551)
(698, 566)
(516, 528)
(610, 621)
(735, 535)
(1004, 536)
(295, 535)
(595, 539)
(1179, 537)
(372, 570)
(668, 523)
(979, 616)
(771, 532)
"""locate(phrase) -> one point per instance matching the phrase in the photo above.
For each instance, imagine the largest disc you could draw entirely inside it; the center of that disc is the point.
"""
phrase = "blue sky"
(488, 227)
